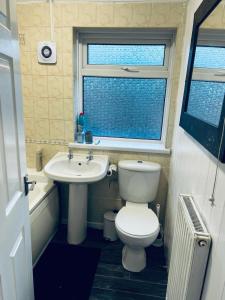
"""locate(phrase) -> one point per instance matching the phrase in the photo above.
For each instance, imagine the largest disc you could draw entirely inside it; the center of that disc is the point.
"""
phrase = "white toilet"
(137, 225)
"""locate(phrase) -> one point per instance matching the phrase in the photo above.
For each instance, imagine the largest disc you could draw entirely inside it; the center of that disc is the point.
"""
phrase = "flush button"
(140, 161)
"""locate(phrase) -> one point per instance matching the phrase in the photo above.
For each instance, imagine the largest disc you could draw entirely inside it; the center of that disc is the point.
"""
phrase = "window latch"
(129, 70)
(220, 74)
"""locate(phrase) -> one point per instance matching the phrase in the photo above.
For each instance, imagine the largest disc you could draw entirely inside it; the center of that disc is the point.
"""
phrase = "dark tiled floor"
(65, 272)
(113, 282)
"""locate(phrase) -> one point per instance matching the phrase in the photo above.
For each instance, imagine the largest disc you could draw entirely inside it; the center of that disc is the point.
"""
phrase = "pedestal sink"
(78, 172)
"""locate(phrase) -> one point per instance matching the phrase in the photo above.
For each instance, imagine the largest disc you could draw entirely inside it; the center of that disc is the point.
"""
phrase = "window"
(131, 55)
(207, 88)
(206, 129)
(123, 84)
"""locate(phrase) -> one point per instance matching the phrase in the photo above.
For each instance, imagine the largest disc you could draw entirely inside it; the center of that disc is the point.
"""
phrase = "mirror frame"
(208, 135)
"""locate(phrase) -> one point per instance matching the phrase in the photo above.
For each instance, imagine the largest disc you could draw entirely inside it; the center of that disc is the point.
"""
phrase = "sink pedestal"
(78, 172)
(77, 213)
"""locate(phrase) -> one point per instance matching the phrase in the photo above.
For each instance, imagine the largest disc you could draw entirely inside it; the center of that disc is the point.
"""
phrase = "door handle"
(28, 185)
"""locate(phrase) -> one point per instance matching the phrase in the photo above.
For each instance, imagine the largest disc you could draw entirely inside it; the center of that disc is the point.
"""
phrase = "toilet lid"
(137, 221)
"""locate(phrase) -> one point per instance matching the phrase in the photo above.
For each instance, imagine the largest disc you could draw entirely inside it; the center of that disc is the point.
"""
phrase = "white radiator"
(189, 255)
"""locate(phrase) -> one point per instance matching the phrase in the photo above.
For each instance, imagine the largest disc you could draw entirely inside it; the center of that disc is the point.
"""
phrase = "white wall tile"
(192, 171)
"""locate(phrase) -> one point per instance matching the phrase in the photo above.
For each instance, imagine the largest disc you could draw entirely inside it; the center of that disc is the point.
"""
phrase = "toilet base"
(133, 259)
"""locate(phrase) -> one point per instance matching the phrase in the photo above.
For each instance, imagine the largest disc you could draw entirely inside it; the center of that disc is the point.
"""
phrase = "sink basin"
(78, 169)
(78, 172)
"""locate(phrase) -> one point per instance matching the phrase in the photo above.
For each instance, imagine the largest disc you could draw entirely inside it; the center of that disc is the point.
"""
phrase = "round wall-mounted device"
(47, 52)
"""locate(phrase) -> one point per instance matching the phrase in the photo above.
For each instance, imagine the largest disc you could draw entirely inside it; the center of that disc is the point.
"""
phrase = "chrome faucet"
(70, 153)
(90, 156)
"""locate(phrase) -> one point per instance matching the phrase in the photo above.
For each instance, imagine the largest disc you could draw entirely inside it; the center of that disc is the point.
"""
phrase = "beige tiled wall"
(48, 89)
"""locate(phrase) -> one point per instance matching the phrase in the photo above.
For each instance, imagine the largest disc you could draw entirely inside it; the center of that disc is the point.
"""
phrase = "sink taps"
(90, 156)
(70, 153)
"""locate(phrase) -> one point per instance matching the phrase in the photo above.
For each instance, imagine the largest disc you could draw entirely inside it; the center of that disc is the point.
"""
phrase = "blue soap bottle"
(80, 128)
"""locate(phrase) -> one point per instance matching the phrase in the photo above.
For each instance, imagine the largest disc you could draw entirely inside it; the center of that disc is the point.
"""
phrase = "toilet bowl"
(137, 228)
(137, 225)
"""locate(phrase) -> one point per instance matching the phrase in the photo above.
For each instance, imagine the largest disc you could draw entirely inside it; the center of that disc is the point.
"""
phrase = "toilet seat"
(137, 222)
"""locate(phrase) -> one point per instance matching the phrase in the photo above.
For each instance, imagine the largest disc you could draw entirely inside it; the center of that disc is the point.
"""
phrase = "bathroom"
(43, 122)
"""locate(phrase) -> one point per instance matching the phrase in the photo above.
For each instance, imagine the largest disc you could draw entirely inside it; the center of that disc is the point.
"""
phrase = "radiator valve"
(202, 243)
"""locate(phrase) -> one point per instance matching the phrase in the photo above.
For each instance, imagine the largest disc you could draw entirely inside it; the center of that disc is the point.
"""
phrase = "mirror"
(203, 109)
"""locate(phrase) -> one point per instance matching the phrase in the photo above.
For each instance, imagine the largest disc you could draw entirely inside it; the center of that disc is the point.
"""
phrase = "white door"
(16, 280)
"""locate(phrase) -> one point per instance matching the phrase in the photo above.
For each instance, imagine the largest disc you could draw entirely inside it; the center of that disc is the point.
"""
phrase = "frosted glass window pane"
(209, 57)
(206, 100)
(124, 107)
(141, 55)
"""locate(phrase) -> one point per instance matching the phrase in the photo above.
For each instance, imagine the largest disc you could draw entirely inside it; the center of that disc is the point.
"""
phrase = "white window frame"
(166, 37)
(210, 38)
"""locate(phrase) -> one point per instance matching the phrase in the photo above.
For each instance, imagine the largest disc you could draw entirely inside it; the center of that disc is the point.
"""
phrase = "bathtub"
(44, 212)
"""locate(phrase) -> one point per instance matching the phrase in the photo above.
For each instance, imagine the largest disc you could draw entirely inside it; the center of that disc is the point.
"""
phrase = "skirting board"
(94, 225)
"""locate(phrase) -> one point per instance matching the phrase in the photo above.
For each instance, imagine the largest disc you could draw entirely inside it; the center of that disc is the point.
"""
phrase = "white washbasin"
(78, 172)
(78, 169)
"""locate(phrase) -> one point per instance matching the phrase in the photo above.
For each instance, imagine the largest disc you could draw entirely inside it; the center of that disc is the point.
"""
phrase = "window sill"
(126, 146)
